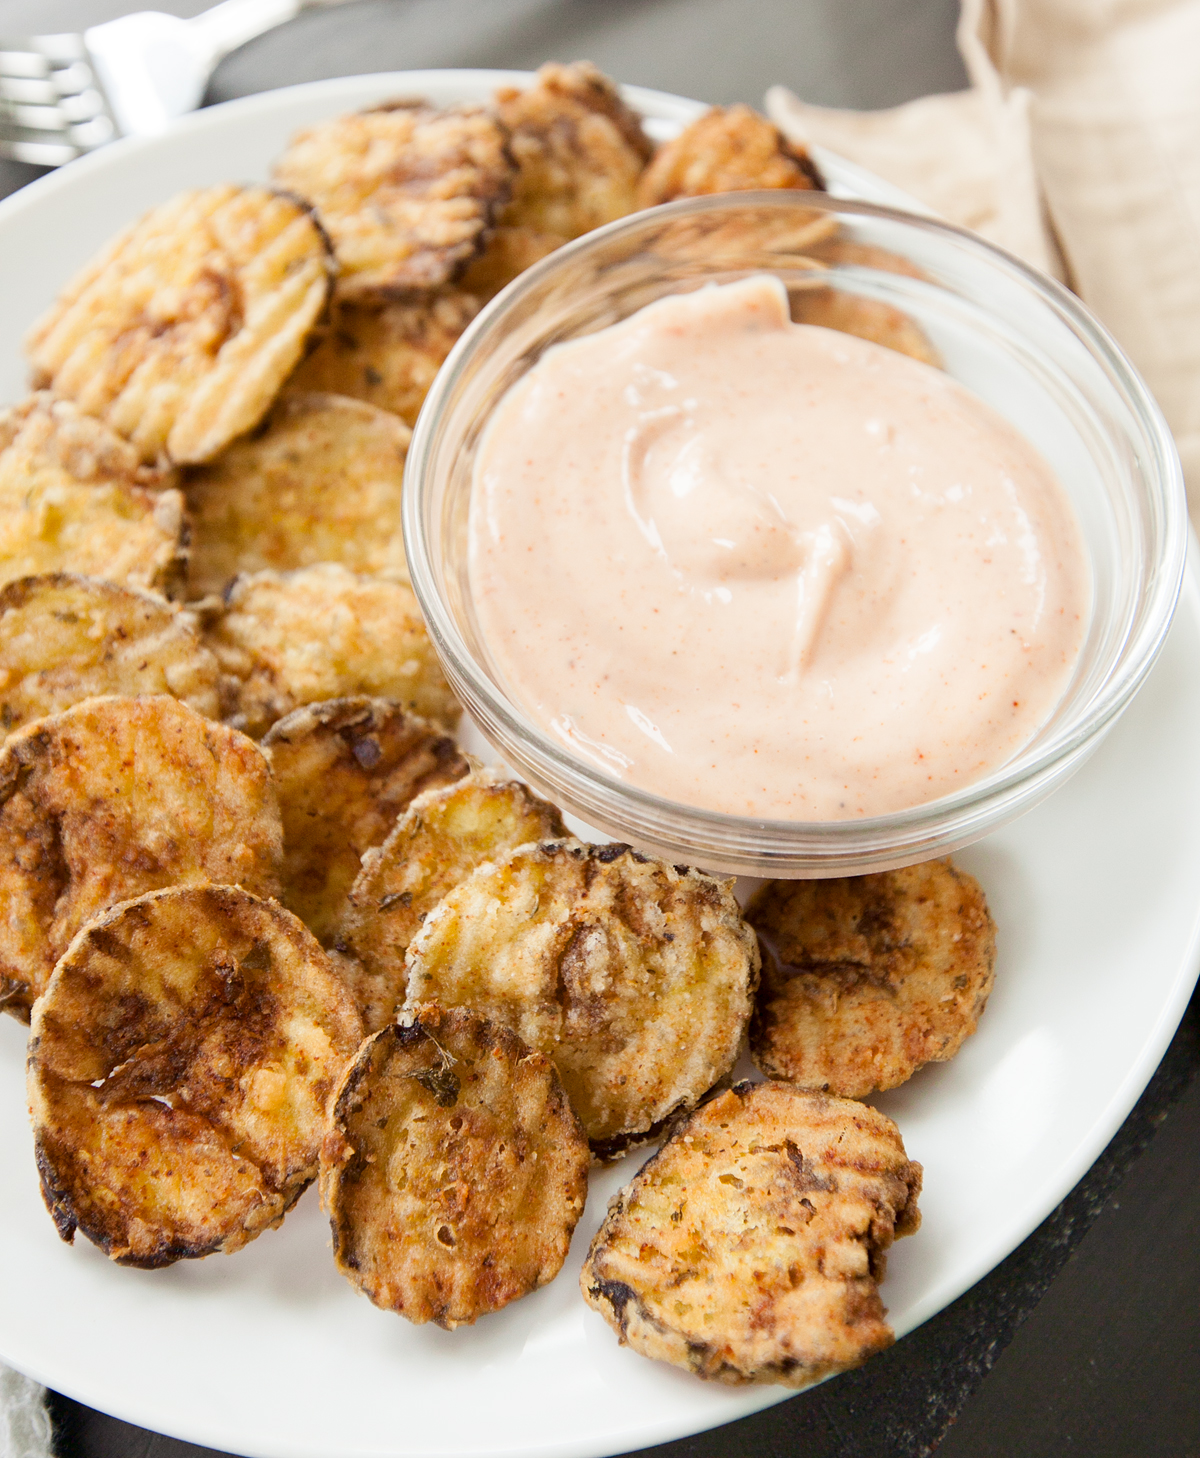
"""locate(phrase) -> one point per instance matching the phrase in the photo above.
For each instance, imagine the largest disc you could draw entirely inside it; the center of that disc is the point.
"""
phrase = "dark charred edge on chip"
(331, 263)
(15, 999)
(624, 1309)
(17, 593)
(803, 159)
(68, 1220)
(606, 1151)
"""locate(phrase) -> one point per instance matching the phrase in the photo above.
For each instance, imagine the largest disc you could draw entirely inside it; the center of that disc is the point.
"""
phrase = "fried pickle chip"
(579, 151)
(636, 977)
(180, 1067)
(181, 332)
(113, 798)
(320, 482)
(508, 252)
(454, 1171)
(345, 770)
(728, 149)
(405, 191)
(73, 498)
(64, 638)
(867, 978)
(388, 356)
(749, 1248)
(443, 836)
(285, 639)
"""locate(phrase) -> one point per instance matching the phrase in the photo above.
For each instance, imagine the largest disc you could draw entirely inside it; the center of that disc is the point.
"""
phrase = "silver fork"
(63, 95)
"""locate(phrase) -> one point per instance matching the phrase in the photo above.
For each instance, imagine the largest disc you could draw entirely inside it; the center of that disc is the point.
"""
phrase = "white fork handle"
(234, 22)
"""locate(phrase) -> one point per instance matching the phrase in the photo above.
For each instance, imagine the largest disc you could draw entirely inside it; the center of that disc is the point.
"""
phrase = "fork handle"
(234, 22)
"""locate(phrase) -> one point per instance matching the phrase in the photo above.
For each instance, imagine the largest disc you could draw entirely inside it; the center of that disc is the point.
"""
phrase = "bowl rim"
(1138, 651)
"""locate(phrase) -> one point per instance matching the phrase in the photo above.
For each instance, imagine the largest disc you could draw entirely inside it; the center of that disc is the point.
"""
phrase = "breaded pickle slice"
(439, 841)
(454, 1171)
(510, 250)
(636, 977)
(345, 770)
(579, 151)
(405, 191)
(284, 639)
(749, 1248)
(728, 149)
(388, 356)
(867, 978)
(113, 798)
(66, 638)
(318, 482)
(73, 498)
(180, 1067)
(181, 332)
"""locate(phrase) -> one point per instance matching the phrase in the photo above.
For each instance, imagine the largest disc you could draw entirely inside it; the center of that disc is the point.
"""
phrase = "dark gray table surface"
(1087, 1338)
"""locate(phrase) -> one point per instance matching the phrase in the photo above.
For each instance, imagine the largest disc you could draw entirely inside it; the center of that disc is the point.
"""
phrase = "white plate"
(271, 1353)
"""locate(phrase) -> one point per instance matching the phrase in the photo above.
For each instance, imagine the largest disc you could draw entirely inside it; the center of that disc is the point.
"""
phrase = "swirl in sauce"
(770, 569)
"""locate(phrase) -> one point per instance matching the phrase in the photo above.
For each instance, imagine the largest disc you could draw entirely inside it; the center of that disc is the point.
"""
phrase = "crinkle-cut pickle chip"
(345, 770)
(390, 355)
(868, 978)
(181, 332)
(636, 977)
(728, 149)
(579, 151)
(441, 838)
(73, 498)
(405, 191)
(113, 798)
(319, 481)
(65, 638)
(750, 1247)
(454, 1171)
(180, 1067)
(284, 639)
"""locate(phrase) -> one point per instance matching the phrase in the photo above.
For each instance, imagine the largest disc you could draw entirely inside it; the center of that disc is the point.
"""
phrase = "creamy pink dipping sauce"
(770, 569)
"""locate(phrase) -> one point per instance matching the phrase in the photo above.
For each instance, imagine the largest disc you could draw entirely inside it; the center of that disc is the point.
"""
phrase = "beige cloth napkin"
(1078, 149)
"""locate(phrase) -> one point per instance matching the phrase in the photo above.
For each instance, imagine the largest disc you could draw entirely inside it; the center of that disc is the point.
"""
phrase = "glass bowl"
(1017, 339)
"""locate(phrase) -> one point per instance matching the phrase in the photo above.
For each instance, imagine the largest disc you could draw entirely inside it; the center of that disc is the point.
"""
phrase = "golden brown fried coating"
(440, 840)
(454, 1171)
(749, 1248)
(319, 482)
(181, 332)
(867, 978)
(180, 1067)
(113, 798)
(65, 638)
(579, 151)
(345, 770)
(508, 252)
(636, 977)
(73, 498)
(728, 149)
(405, 191)
(388, 356)
(284, 639)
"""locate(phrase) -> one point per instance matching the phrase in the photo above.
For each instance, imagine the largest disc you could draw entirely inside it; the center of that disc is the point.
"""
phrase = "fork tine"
(18, 88)
(26, 64)
(38, 151)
